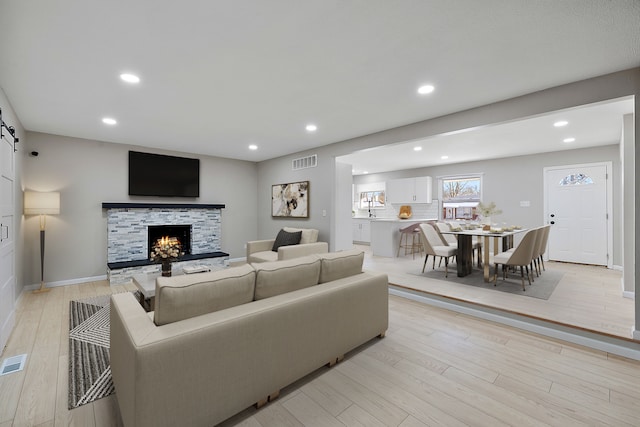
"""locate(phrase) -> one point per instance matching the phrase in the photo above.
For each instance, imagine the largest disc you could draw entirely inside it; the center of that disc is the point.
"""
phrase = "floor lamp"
(42, 204)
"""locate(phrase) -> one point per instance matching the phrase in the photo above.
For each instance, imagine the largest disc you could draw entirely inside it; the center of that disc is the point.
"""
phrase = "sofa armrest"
(130, 324)
(259, 246)
(297, 251)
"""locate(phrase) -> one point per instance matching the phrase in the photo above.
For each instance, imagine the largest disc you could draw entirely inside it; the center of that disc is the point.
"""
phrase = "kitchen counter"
(385, 234)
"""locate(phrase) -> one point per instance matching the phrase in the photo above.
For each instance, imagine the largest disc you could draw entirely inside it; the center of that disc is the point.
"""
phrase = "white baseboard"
(66, 282)
(629, 294)
(624, 349)
(636, 334)
(617, 268)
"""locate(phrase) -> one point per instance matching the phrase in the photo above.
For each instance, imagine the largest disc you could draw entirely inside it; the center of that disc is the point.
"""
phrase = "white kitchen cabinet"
(362, 230)
(410, 190)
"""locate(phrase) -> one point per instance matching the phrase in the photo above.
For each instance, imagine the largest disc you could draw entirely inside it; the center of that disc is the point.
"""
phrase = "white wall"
(626, 214)
(87, 173)
(342, 237)
(321, 183)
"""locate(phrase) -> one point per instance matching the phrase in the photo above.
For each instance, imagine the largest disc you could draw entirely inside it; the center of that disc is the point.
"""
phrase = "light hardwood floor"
(588, 297)
(434, 367)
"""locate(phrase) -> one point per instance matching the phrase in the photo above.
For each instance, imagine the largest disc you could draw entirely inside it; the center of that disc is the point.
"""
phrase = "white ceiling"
(220, 75)
(590, 126)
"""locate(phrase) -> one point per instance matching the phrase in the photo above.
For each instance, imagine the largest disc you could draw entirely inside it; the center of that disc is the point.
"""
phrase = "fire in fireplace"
(180, 232)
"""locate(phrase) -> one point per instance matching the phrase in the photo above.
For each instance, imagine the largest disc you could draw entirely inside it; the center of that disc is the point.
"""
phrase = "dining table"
(464, 259)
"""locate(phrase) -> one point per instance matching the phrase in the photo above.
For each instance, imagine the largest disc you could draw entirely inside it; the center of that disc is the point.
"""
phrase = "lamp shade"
(36, 203)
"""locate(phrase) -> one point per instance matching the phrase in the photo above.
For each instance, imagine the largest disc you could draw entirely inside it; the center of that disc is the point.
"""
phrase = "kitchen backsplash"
(419, 210)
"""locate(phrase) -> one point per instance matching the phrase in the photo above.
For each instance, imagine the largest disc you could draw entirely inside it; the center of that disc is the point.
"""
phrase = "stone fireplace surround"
(127, 239)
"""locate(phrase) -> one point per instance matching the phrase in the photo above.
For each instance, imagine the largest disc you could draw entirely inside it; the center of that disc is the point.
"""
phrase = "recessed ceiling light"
(444, 157)
(423, 90)
(130, 78)
(568, 140)
(253, 147)
(417, 148)
(365, 172)
(561, 123)
(109, 121)
(311, 128)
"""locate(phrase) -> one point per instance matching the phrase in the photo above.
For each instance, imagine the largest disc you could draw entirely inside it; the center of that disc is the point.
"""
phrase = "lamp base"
(42, 289)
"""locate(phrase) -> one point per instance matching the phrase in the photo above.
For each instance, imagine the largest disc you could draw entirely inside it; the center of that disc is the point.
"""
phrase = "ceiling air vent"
(305, 162)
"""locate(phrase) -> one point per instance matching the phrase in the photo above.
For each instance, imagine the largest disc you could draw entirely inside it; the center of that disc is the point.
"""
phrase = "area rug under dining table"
(89, 366)
(542, 287)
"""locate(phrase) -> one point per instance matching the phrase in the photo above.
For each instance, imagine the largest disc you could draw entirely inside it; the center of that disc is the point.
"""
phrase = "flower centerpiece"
(486, 212)
(165, 251)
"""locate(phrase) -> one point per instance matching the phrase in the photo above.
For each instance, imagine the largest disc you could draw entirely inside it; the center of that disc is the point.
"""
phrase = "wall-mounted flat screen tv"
(164, 176)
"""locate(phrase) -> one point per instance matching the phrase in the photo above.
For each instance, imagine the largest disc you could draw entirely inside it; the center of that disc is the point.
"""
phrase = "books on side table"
(190, 269)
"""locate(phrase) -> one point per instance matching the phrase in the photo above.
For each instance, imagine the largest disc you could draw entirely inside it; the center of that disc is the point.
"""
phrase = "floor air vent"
(305, 162)
(13, 364)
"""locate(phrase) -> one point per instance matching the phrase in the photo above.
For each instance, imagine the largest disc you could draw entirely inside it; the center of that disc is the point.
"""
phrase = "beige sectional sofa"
(260, 250)
(220, 342)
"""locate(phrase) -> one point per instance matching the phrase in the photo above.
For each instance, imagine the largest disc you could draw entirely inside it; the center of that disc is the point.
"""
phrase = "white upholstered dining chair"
(451, 240)
(434, 246)
(521, 257)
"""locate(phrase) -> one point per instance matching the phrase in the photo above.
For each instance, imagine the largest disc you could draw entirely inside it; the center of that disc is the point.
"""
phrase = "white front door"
(577, 210)
(7, 241)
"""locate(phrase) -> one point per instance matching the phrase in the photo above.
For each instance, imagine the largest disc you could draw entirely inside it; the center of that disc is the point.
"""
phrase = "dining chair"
(434, 246)
(452, 240)
(537, 247)
(447, 239)
(520, 257)
(545, 239)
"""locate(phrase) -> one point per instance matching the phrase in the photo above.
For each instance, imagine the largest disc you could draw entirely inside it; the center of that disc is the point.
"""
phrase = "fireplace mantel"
(126, 205)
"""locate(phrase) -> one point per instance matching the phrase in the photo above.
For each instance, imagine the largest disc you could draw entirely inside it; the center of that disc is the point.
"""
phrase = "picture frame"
(290, 200)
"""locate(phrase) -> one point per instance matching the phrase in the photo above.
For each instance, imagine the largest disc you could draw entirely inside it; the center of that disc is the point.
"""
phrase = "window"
(460, 195)
(372, 200)
(576, 179)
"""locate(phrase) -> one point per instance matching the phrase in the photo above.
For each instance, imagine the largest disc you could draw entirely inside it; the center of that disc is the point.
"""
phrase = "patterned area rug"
(89, 368)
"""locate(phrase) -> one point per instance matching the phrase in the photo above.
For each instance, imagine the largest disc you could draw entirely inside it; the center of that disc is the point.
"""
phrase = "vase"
(486, 223)
(166, 268)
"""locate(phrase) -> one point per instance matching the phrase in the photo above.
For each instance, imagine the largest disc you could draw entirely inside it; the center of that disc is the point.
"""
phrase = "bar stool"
(410, 246)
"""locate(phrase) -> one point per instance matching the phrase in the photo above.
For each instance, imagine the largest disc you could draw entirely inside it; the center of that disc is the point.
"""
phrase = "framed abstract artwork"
(290, 200)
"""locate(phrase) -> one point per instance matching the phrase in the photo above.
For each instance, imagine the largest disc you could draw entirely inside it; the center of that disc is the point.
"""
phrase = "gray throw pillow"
(286, 239)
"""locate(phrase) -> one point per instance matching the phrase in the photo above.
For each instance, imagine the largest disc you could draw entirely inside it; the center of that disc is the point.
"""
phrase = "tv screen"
(165, 176)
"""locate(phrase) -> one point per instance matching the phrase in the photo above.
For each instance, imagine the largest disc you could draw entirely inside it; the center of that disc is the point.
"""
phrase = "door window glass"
(576, 179)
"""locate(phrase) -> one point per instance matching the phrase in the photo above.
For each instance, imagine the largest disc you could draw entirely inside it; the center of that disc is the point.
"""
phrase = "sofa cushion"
(263, 256)
(279, 277)
(336, 265)
(285, 238)
(309, 235)
(190, 295)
